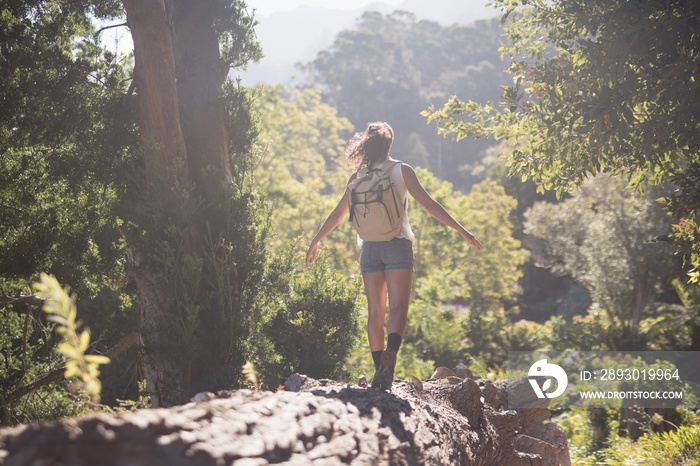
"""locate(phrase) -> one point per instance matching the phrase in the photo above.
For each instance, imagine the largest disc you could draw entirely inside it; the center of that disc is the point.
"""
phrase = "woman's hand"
(471, 239)
(311, 253)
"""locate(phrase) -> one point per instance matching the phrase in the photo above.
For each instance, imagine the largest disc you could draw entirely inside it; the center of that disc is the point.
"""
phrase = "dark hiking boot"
(384, 376)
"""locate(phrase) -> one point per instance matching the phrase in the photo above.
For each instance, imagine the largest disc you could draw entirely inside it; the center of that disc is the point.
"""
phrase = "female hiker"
(376, 199)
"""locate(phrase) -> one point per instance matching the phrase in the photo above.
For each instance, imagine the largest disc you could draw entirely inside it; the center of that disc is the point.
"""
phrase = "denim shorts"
(381, 256)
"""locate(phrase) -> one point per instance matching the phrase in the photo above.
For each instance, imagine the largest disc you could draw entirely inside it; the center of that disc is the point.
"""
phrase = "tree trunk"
(200, 74)
(642, 295)
(184, 268)
(437, 422)
(694, 335)
(165, 156)
(162, 141)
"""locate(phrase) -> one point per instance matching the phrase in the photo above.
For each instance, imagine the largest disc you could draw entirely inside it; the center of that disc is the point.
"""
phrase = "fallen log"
(450, 421)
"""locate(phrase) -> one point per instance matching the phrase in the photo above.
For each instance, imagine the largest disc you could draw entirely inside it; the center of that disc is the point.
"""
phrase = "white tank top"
(397, 178)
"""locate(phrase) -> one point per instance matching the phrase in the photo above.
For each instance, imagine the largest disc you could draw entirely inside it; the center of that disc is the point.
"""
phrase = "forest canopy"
(599, 86)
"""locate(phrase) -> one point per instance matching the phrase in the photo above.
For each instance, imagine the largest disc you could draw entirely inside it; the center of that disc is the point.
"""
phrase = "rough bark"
(200, 74)
(179, 75)
(165, 156)
(694, 336)
(162, 140)
(450, 421)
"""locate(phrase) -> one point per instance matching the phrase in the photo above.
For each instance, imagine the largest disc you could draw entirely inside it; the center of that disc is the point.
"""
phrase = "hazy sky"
(262, 7)
(266, 7)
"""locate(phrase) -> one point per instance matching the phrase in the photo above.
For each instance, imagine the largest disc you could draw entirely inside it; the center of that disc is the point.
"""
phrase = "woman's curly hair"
(370, 146)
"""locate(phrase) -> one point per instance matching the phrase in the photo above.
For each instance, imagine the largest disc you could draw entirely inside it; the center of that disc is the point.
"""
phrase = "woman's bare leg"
(399, 285)
(375, 290)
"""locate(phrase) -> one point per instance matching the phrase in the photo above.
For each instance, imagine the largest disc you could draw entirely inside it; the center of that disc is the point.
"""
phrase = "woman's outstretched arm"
(332, 221)
(433, 207)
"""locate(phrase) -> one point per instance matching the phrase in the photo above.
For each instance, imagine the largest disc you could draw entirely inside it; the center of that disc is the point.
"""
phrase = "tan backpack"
(376, 209)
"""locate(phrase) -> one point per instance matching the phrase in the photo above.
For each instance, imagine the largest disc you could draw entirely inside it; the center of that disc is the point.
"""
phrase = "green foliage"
(64, 136)
(65, 133)
(302, 141)
(438, 332)
(75, 343)
(591, 332)
(675, 448)
(611, 95)
(314, 328)
(687, 234)
(50, 403)
(212, 290)
(525, 335)
(674, 326)
(487, 335)
(243, 121)
(578, 432)
(23, 362)
(446, 269)
(235, 25)
(251, 376)
(678, 446)
(410, 363)
(602, 236)
(142, 400)
(658, 384)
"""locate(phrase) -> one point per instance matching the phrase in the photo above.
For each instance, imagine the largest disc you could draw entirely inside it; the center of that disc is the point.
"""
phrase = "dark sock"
(377, 357)
(393, 341)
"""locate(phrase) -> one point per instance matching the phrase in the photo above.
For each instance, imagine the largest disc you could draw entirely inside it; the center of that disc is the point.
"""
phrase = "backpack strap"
(350, 199)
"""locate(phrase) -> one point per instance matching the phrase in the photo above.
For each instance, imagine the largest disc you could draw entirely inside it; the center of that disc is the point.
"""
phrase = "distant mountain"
(296, 36)
(449, 11)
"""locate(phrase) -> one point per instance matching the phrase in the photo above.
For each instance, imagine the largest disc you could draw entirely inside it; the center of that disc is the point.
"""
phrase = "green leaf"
(84, 341)
(96, 359)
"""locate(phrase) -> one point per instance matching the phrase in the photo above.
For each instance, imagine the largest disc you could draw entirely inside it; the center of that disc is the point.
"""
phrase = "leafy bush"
(314, 328)
(60, 305)
(592, 332)
(409, 364)
(486, 335)
(524, 335)
(680, 447)
(437, 333)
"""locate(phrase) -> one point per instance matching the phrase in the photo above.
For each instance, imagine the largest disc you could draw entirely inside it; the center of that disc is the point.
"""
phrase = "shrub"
(314, 328)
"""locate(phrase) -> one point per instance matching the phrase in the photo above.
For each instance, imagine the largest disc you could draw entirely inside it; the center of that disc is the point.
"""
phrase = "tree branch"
(25, 335)
(21, 299)
(111, 26)
(57, 374)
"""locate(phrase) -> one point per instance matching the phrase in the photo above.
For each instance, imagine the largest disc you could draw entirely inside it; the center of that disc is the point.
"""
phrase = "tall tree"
(197, 248)
(599, 86)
